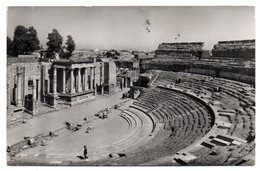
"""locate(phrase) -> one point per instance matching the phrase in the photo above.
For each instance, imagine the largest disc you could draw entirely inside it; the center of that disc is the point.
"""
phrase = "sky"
(125, 27)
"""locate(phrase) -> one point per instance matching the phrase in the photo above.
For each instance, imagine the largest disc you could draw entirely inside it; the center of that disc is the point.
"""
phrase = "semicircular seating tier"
(230, 141)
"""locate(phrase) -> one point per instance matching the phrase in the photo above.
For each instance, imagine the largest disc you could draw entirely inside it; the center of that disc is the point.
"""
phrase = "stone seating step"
(220, 142)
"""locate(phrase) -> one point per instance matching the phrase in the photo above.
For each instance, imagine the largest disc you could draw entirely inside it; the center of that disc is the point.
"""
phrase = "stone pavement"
(110, 136)
(55, 120)
(68, 145)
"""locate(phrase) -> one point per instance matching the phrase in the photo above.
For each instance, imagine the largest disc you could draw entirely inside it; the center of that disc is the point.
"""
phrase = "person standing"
(85, 152)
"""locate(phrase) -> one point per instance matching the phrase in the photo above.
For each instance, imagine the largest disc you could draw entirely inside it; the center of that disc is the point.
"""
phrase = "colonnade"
(82, 84)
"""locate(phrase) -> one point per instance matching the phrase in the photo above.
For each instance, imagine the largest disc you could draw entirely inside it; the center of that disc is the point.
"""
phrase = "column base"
(55, 94)
(102, 90)
(19, 103)
(33, 109)
(79, 90)
(51, 99)
(34, 112)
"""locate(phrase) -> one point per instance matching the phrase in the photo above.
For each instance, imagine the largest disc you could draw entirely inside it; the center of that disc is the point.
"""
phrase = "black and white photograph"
(130, 86)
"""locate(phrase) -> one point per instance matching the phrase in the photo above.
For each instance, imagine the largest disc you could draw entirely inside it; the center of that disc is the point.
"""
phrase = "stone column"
(102, 89)
(63, 80)
(86, 80)
(34, 90)
(131, 84)
(72, 90)
(19, 89)
(126, 82)
(94, 81)
(54, 80)
(123, 78)
(49, 85)
(91, 77)
(79, 81)
(8, 96)
(34, 109)
(102, 68)
(103, 74)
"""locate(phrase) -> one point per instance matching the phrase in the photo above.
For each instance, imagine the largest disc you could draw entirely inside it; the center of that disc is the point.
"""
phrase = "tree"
(70, 44)
(55, 41)
(25, 40)
(64, 54)
(112, 53)
(33, 42)
(19, 39)
(9, 45)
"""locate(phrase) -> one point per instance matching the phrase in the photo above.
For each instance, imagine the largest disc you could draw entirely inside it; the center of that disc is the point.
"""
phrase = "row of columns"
(79, 87)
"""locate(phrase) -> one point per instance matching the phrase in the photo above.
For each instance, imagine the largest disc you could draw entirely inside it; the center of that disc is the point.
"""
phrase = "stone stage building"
(32, 82)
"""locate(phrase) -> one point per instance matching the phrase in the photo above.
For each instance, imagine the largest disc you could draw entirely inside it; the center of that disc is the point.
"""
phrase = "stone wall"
(110, 79)
(236, 53)
(40, 75)
(112, 73)
(30, 71)
(124, 64)
(99, 73)
(184, 49)
(202, 71)
(234, 49)
(237, 77)
(246, 75)
(45, 79)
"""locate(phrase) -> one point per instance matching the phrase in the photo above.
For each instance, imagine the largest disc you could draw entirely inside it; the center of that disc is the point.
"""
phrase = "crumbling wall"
(112, 73)
(11, 81)
(246, 75)
(110, 79)
(237, 77)
(184, 49)
(234, 49)
(30, 71)
(202, 71)
(98, 71)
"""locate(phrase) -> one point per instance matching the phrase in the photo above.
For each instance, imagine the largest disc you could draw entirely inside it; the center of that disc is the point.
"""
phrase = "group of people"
(103, 114)
(71, 127)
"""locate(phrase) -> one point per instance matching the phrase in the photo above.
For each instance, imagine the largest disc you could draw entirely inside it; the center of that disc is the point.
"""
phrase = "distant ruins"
(184, 49)
(230, 59)
(234, 49)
